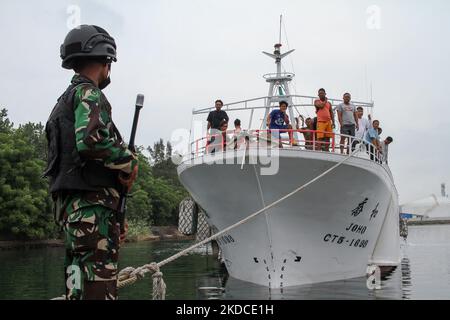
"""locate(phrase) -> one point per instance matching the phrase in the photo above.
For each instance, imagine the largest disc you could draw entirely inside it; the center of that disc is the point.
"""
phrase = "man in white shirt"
(385, 149)
(363, 126)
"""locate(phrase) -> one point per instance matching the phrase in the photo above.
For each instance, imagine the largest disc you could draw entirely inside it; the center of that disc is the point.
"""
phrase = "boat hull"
(328, 231)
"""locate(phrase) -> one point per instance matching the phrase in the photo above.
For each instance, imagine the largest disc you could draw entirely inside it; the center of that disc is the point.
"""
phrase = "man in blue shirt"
(371, 138)
(278, 122)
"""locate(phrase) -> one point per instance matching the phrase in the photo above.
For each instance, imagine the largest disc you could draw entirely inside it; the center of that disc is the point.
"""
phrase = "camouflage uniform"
(89, 220)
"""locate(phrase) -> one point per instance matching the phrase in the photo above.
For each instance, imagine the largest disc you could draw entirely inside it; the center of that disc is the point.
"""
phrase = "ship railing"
(264, 102)
(286, 139)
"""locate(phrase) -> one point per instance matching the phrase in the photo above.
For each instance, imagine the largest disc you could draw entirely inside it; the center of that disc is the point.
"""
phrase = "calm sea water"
(423, 274)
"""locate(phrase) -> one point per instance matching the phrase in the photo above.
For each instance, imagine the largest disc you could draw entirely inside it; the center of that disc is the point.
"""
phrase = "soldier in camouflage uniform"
(88, 164)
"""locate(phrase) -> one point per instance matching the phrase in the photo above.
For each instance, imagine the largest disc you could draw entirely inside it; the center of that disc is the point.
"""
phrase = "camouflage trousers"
(92, 252)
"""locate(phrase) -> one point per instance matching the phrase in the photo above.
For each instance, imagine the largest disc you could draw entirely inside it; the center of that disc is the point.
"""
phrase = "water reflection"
(424, 273)
(351, 289)
(406, 278)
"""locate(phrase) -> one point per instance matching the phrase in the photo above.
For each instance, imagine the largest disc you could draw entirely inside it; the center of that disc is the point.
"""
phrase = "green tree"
(157, 153)
(155, 198)
(24, 202)
(25, 206)
(165, 199)
(163, 166)
(139, 205)
(166, 203)
(34, 134)
(5, 125)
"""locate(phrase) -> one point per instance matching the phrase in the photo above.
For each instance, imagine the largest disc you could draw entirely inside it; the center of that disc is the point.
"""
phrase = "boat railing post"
(372, 151)
(251, 119)
(314, 139)
(207, 143)
(350, 144)
(334, 142)
(223, 136)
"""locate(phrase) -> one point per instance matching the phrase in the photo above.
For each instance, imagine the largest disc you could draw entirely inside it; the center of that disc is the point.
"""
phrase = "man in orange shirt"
(325, 121)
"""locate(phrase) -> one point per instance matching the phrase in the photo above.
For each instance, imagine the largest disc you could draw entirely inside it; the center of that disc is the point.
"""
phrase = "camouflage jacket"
(97, 139)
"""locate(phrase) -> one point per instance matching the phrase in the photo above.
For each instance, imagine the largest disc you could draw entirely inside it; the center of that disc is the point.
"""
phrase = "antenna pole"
(281, 19)
(371, 92)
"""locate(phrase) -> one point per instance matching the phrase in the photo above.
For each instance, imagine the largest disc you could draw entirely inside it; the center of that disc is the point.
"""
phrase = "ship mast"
(279, 82)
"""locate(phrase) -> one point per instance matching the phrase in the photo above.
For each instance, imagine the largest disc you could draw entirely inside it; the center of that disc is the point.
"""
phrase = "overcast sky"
(185, 54)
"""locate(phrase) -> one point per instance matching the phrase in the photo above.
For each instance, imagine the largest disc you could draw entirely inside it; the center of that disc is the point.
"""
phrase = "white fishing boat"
(330, 230)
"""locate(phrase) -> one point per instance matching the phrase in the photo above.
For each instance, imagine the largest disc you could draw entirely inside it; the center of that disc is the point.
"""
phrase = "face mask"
(102, 85)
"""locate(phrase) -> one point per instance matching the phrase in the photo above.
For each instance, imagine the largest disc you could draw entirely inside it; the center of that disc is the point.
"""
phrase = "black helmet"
(87, 41)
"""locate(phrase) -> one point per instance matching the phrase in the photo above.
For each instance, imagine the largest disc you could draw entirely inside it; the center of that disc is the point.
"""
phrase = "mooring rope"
(130, 275)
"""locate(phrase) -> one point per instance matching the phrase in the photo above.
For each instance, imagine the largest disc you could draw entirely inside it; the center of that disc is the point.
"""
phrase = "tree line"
(25, 203)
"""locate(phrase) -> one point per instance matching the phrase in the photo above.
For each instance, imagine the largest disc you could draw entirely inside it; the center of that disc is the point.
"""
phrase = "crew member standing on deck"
(87, 164)
(325, 120)
(215, 120)
(348, 119)
(385, 149)
(372, 141)
(363, 126)
(278, 123)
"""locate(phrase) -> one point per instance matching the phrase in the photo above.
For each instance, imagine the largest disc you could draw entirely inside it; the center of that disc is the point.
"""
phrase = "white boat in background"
(429, 208)
(332, 230)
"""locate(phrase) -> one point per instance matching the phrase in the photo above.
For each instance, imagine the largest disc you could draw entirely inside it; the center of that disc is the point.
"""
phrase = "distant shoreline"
(30, 244)
(428, 222)
(167, 233)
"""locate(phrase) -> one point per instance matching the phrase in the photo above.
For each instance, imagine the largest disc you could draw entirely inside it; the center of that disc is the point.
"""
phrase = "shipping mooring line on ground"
(130, 275)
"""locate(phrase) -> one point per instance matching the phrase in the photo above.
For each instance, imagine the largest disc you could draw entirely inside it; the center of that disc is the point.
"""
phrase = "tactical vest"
(66, 170)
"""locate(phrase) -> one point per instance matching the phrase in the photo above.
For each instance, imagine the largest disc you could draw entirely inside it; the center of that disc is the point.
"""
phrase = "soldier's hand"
(127, 180)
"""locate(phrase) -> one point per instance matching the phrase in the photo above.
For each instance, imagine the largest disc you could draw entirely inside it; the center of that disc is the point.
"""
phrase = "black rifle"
(124, 192)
